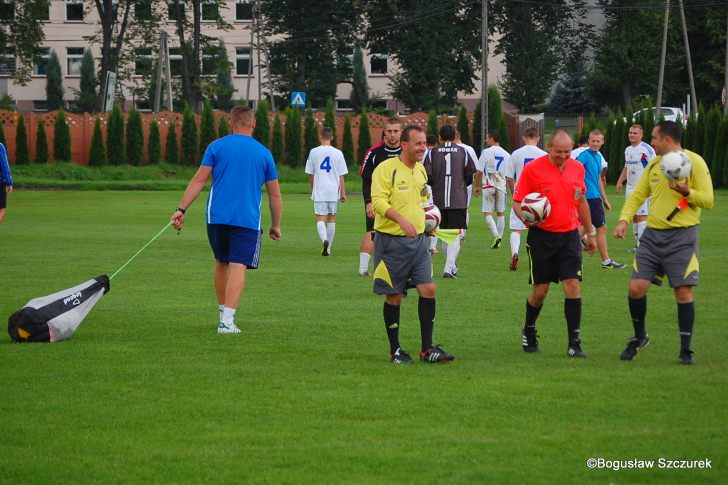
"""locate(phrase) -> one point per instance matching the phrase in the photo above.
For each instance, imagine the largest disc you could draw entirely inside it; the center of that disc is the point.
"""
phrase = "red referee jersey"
(564, 189)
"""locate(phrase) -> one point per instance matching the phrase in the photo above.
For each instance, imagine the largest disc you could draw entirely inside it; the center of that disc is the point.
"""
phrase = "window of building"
(243, 10)
(175, 9)
(210, 10)
(74, 10)
(143, 9)
(74, 56)
(40, 105)
(143, 61)
(143, 105)
(378, 103)
(7, 64)
(243, 66)
(209, 61)
(42, 11)
(7, 10)
(41, 66)
(378, 64)
(344, 105)
(175, 61)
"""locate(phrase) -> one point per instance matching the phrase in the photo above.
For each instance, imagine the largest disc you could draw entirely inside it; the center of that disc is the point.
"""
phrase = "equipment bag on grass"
(56, 317)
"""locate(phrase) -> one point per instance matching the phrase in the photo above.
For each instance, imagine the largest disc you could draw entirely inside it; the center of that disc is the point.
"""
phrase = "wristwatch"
(592, 233)
(185, 210)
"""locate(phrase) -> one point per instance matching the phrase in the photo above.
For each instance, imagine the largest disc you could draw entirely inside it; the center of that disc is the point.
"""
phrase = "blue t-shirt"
(240, 167)
(592, 162)
(5, 177)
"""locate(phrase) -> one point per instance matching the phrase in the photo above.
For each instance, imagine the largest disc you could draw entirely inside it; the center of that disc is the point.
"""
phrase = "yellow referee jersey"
(404, 189)
(663, 199)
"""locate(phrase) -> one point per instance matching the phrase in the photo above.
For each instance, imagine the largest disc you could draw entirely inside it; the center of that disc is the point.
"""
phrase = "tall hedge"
(719, 152)
(711, 130)
(262, 125)
(172, 152)
(190, 147)
(310, 132)
(477, 131)
(699, 135)
(463, 126)
(495, 108)
(276, 145)
(154, 147)
(115, 146)
(365, 137)
(208, 134)
(724, 135)
(347, 143)
(97, 153)
(54, 83)
(61, 138)
(505, 141)
(293, 137)
(41, 143)
(432, 124)
(86, 95)
(330, 119)
(134, 138)
(223, 128)
(22, 154)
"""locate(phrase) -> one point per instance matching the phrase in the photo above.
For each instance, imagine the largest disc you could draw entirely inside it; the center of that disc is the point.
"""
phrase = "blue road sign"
(298, 98)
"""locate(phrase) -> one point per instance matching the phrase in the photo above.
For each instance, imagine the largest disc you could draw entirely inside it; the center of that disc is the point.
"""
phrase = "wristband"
(593, 233)
(179, 209)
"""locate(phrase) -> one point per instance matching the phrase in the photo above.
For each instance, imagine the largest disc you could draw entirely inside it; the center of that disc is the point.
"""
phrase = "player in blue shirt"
(6, 181)
(239, 166)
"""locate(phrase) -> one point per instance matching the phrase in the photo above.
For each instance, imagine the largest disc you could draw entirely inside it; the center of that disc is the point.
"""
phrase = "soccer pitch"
(146, 391)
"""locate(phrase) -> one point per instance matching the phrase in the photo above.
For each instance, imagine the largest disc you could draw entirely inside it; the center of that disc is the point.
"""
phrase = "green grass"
(146, 391)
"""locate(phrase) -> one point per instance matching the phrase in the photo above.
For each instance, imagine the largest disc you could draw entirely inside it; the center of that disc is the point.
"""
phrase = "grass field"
(146, 391)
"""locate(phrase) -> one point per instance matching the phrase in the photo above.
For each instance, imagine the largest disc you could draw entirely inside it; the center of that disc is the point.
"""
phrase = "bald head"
(559, 147)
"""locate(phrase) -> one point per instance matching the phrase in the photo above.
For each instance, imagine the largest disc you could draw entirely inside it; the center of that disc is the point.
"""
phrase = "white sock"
(491, 225)
(515, 242)
(501, 225)
(606, 261)
(452, 255)
(444, 251)
(321, 229)
(641, 226)
(364, 262)
(220, 307)
(228, 315)
(330, 231)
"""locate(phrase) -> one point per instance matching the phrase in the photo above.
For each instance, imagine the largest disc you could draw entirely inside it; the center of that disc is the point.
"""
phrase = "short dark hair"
(242, 115)
(495, 135)
(327, 133)
(447, 132)
(583, 139)
(531, 132)
(671, 129)
(406, 132)
(394, 121)
(431, 139)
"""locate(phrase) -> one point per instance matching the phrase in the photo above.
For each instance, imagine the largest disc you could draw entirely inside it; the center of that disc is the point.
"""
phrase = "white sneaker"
(232, 328)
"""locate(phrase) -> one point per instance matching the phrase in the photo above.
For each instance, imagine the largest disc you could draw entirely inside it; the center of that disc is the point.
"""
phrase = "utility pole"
(267, 59)
(693, 98)
(656, 113)
(484, 75)
(163, 72)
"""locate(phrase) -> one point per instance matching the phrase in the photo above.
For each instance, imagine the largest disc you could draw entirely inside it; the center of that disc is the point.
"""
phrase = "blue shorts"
(233, 244)
(598, 216)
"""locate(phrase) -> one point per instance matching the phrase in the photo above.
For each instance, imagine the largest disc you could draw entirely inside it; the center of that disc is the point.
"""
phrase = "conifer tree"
(86, 96)
(223, 128)
(22, 155)
(171, 154)
(293, 137)
(54, 83)
(365, 136)
(310, 132)
(208, 134)
(330, 119)
(463, 126)
(134, 138)
(41, 143)
(115, 147)
(97, 153)
(261, 132)
(433, 127)
(154, 149)
(276, 146)
(347, 144)
(189, 138)
(61, 138)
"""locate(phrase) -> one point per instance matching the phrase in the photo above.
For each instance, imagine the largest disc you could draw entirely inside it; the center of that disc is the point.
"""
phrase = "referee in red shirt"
(553, 246)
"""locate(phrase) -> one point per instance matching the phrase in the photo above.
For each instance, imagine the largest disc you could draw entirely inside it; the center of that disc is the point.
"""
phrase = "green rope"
(140, 251)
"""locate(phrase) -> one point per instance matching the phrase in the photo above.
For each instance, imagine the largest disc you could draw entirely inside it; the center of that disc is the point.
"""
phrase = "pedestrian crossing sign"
(298, 98)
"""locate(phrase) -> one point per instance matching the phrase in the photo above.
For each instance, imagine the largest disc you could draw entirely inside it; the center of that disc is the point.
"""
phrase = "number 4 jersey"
(326, 164)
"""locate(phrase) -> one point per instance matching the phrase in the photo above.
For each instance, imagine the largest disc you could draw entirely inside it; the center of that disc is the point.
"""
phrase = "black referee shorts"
(553, 256)
(3, 196)
(454, 219)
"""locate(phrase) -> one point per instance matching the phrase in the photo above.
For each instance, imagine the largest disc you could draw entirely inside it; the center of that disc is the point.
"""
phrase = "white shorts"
(325, 208)
(494, 200)
(644, 209)
(515, 223)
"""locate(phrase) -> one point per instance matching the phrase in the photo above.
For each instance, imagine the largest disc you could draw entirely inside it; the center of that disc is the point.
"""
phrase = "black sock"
(391, 322)
(572, 312)
(532, 314)
(426, 312)
(686, 320)
(638, 311)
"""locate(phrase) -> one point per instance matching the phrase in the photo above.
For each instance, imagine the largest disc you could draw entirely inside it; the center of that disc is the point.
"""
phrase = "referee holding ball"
(553, 246)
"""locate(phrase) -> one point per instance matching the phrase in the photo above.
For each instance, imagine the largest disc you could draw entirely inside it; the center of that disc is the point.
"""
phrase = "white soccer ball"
(535, 207)
(675, 165)
(432, 217)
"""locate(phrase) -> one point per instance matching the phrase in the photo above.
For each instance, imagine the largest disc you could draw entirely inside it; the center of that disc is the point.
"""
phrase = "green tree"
(97, 153)
(293, 137)
(432, 123)
(720, 152)
(330, 119)
(360, 87)
(310, 132)
(463, 126)
(699, 135)
(711, 130)
(115, 147)
(2, 134)
(154, 149)
(171, 154)
(616, 147)
(365, 136)
(189, 138)
(477, 130)
(347, 144)
(276, 146)
(223, 87)
(54, 83)
(223, 128)
(208, 134)
(134, 138)
(503, 130)
(22, 33)
(495, 106)
(61, 138)
(261, 132)
(41, 143)
(87, 95)
(22, 155)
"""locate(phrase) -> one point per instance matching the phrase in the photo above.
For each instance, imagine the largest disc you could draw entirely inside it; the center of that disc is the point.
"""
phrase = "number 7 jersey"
(326, 164)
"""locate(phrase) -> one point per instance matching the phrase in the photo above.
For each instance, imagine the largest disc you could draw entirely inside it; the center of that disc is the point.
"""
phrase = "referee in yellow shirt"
(669, 247)
(402, 252)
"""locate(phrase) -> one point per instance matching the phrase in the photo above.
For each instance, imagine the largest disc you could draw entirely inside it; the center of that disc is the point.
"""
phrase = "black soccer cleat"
(529, 340)
(436, 355)
(400, 357)
(633, 347)
(686, 357)
(575, 350)
(325, 250)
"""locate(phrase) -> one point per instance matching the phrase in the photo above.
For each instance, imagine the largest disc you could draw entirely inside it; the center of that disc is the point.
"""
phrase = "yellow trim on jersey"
(403, 189)
(382, 273)
(693, 265)
(663, 199)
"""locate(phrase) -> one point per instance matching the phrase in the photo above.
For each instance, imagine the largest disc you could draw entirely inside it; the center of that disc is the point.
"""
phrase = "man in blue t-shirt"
(239, 166)
(6, 180)
(596, 196)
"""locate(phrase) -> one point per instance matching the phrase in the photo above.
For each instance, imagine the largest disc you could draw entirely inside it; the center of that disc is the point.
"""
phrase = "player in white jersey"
(474, 156)
(529, 151)
(326, 168)
(491, 177)
(636, 157)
